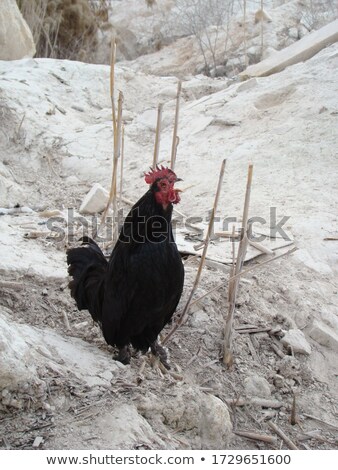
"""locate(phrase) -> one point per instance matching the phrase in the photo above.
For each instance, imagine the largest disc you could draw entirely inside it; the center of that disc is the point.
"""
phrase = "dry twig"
(257, 437)
(282, 435)
(199, 271)
(333, 426)
(158, 135)
(175, 141)
(117, 149)
(234, 279)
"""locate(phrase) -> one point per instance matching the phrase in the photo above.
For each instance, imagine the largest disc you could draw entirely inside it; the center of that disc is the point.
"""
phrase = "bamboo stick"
(321, 421)
(158, 134)
(112, 81)
(117, 150)
(282, 435)
(262, 29)
(174, 141)
(121, 166)
(245, 33)
(199, 271)
(261, 248)
(293, 418)
(234, 279)
(257, 437)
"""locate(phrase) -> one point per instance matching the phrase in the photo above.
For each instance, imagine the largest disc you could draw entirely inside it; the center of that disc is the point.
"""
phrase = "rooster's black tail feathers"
(87, 266)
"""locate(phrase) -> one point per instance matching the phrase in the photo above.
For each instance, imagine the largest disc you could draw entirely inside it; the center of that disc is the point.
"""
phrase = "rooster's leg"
(123, 355)
(160, 352)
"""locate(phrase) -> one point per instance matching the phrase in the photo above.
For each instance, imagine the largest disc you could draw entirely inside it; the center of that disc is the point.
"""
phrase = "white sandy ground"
(56, 141)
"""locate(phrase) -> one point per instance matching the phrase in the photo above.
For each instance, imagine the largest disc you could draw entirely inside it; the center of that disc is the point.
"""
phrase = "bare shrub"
(208, 21)
(317, 13)
(65, 29)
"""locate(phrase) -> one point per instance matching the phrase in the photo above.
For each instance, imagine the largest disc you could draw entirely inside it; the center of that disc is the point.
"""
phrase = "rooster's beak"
(178, 179)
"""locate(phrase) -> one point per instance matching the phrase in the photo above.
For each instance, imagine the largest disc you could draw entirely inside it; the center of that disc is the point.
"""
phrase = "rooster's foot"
(161, 353)
(123, 355)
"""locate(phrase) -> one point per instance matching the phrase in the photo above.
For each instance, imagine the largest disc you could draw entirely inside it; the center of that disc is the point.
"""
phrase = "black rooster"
(134, 295)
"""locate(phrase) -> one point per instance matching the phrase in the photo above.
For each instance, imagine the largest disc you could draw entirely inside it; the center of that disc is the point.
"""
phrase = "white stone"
(324, 335)
(299, 51)
(16, 40)
(293, 33)
(215, 425)
(95, 201)
(199, 319)
(257, 387)
(125, 428)
(296, 339)
(248, 85)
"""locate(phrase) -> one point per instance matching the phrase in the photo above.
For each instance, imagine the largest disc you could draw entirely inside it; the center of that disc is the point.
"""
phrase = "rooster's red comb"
(158, 173)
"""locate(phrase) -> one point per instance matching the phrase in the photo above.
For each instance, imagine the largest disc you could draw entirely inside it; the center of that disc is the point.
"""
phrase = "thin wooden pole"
(158, 134)
(200, 267)
(117, 150)
(262, 28)
(121, 166)
(282, 435)
(112, 81)
(175, 141)
(245, 33)
(234, 276)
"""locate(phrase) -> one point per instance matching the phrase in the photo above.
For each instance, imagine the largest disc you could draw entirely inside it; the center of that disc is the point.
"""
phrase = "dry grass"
(65, 29)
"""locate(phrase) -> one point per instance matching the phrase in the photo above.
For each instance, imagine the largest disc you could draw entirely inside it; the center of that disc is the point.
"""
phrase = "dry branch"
(11, 285)
(175, 141)
(121, 166)
(117, 149)
(261, 247)
(282, 435)
(199, 271)
(257, 437)
(293, 418)
(263, 402)
(112, 81)
(234, 276)
(321, 421)
(158, 135)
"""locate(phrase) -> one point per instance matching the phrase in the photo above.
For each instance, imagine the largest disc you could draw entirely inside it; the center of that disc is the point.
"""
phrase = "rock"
(302, 31)
(324, 335)
(204, 418)
(16, 40)
(262, 15)
(268, 52)
(215, 424)
(299, 51)
(248, 85)
(234, 66)
(218, 71)
(257, 386)
(293, 33)
(126, 428)
(72, 180)
(254, 54)
(199, 319)
(296, 340)
(37, 442)
(331, 319)
(95, 201)
(16, 360)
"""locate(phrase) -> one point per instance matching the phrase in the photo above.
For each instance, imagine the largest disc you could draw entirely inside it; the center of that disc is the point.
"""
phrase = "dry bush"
(317, 13)
(65, 29)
